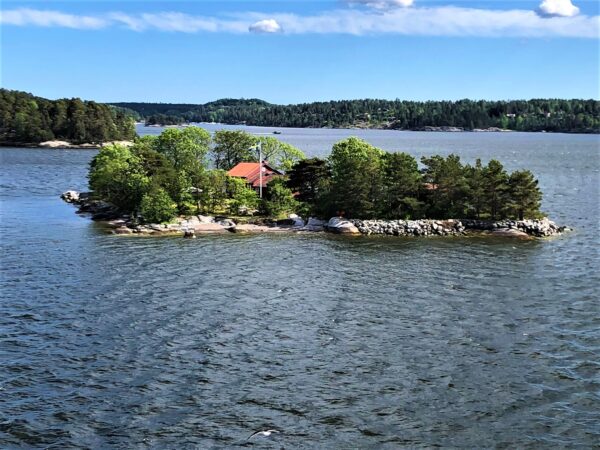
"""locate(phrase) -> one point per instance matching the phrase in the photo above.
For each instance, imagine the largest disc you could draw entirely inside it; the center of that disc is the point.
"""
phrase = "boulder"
(55, 144)
(341, 226)
(117, 223)
(253, 228)
(510, 232)
(205, 219)
(298, 222)
(70, 196)
(314, 224)
(122, 230)
(211, 228)
(227, 223)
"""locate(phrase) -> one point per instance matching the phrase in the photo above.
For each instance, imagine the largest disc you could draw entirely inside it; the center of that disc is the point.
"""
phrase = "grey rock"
(70, 196)
(341, 226)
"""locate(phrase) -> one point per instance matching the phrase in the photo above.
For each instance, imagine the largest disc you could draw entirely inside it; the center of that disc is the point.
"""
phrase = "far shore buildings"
(250, 172)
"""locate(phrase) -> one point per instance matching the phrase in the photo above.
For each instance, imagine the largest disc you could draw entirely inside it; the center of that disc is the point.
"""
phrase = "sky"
(301, 51)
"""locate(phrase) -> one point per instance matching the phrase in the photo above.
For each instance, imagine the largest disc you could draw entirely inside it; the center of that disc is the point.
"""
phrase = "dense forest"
(553, 115)
(26, 119)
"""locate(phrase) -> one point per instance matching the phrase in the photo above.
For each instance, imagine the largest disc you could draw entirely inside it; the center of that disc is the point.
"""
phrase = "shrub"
(157, 206)
(279, 199)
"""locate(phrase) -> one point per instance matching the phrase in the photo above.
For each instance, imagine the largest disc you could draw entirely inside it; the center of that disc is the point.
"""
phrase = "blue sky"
(292, 52)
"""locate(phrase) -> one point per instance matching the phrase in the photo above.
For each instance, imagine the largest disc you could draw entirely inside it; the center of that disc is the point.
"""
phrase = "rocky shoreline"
(191, 226)
(65, 145)
(453, 227)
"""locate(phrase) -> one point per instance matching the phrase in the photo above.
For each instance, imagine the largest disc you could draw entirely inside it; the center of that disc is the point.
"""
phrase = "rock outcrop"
(340, 225)
(70, 196)
(56, 144)
(314, 224)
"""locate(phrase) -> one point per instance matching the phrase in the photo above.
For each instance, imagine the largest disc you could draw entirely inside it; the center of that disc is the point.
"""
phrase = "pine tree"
(496, 188)
(525, 196)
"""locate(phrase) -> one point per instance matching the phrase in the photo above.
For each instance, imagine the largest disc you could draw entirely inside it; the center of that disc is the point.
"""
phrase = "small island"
(186, 181)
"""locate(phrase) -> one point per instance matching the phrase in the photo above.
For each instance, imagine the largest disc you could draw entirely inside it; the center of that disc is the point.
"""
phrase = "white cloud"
(421, 21)
(384, 4)
(177, 22)
(442, 21)
(265, 26)
(26, 16)
(558, 8)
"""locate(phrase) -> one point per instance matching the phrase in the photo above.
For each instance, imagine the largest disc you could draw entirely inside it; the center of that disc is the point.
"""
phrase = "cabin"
(250, 172)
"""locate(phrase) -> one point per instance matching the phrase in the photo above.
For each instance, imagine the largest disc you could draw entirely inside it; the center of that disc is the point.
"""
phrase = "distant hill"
(553, 115)
(27, 119)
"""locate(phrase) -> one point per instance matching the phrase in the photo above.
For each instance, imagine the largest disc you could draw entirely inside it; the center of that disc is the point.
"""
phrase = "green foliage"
(214, 190)
(164, 119)
(165, 175)
(579, 116)
(242, 197)
(366, 182)
(186, 149)
(280, 155)
(447, 186)
(279, 199)
(496, 189)
(401, 181)
(525, 196)
(356, 177)
(476, 187)
(117, 176)
(311, 179)
(233, 147)
(157, 207)
(28, 119)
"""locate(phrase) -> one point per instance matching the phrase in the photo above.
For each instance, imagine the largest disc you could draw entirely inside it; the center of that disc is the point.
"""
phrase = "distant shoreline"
(59, 144)
(426, 129)
(56, 144)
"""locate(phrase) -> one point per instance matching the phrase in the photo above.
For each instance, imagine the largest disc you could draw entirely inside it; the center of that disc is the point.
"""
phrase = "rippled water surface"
(120, 342)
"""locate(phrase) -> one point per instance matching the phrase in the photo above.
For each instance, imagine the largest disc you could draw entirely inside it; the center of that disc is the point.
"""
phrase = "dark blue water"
(124, 342)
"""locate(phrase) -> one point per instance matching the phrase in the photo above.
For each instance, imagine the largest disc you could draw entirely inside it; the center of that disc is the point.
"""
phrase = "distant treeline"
(26, 119)
(164, 119)
(553, 115)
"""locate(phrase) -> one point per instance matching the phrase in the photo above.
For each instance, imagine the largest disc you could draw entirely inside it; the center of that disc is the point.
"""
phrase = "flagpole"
(260, 168)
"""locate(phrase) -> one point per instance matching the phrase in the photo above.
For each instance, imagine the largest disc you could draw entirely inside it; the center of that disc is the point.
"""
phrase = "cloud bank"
(557, 20)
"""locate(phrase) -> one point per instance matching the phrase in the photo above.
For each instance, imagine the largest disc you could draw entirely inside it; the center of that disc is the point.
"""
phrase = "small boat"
(276, 132)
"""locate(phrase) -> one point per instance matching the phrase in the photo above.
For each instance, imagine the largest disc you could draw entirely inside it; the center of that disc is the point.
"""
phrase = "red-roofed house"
(250, 172)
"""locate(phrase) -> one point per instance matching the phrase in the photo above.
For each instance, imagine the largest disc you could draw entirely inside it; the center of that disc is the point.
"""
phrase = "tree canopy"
(364, 182)
(27, 119)
(576, 115)
(161, 176)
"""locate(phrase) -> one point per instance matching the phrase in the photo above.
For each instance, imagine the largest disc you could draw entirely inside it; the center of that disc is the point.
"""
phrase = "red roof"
(244, 169)
(251, 172)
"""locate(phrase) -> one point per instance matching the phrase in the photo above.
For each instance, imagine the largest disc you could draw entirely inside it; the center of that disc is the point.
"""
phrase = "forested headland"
(27, 119)
(551, 115)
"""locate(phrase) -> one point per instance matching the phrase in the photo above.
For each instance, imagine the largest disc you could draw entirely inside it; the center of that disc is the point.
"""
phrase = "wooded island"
(185, 172)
